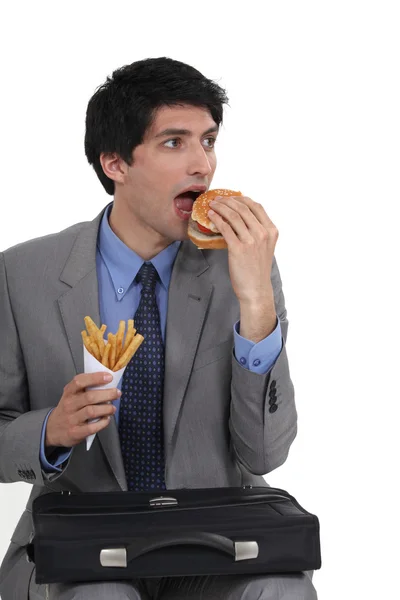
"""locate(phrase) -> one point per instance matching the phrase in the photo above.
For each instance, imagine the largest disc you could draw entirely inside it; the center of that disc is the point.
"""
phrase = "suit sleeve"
(20, 427)
(263, 416)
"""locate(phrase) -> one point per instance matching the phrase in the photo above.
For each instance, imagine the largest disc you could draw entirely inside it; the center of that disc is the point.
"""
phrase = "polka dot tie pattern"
(140, 414)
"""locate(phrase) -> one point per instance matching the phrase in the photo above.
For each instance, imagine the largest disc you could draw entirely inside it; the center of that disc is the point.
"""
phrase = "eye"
(173, 140)
(213, 141)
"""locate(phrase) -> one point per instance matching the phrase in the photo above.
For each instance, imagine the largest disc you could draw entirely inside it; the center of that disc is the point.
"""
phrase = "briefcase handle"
(119, 557)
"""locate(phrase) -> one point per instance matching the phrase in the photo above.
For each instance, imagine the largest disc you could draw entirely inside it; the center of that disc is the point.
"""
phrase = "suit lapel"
(188, 299)
(83, 299)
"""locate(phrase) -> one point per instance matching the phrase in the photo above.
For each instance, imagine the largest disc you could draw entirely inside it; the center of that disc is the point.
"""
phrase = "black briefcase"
(124, 535)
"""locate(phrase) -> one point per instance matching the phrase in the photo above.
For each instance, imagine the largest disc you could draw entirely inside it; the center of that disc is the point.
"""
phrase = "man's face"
(164, 165)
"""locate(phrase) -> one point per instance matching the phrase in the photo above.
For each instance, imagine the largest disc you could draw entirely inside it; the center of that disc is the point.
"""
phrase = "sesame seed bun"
(201, 206)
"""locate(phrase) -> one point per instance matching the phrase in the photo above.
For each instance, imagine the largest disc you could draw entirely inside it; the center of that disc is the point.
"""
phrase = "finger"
(84, 380)
(249, 218)
(256, 208)
(91, 428)
(80, 432)
(92, 398)
(98, 396)
(94, 411)
(224, 228)
(234, 218)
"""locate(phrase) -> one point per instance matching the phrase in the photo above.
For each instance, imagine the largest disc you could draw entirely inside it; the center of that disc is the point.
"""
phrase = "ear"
(114, 166)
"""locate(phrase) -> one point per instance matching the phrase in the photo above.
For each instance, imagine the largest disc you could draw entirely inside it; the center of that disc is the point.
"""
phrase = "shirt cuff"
(58, 454)
(260, 357)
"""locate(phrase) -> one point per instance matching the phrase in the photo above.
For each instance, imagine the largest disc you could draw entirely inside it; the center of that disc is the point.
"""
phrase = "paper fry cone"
(92, 365)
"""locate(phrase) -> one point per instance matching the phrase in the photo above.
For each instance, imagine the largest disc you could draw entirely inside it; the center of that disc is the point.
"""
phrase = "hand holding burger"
(244, 228)
(201, 230)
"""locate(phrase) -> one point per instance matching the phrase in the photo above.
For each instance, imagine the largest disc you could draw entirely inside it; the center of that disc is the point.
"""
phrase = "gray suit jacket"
(218, 428)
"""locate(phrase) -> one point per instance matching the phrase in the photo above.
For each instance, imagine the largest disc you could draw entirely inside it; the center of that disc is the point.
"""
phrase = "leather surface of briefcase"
(124, 535)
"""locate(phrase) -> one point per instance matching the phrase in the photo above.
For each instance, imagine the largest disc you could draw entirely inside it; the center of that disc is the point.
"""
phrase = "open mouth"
(184, 202)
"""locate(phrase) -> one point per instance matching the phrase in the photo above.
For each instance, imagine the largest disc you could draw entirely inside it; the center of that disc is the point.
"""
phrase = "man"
(220, 409)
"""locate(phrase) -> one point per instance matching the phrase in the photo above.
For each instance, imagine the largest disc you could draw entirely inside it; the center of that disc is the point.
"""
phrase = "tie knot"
(148, 276)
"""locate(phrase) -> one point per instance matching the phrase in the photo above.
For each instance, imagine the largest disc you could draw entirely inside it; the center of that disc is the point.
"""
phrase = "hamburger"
(201, 230)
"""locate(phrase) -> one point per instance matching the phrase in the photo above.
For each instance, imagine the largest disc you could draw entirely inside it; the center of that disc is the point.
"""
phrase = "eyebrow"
(166, 132)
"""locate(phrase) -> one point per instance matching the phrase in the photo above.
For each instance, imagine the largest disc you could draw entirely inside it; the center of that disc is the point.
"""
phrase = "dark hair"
(124, 107)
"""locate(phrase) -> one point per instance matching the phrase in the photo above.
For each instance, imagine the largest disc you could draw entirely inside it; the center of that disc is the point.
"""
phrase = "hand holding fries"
(116, 353)
(85, 407)
(68, 423)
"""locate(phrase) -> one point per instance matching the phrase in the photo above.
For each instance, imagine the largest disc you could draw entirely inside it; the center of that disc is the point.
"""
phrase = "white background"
(312, 132)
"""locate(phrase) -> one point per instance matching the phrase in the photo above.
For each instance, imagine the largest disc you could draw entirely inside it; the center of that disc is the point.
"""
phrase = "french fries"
(115, 353)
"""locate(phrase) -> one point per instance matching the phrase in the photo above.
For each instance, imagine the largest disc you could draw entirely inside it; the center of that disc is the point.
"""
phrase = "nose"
(199, 162)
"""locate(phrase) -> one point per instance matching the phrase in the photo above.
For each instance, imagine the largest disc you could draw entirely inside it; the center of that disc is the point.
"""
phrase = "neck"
(134, 233)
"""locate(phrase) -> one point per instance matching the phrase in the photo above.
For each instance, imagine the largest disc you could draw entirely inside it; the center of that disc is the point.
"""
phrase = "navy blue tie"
(140, 414)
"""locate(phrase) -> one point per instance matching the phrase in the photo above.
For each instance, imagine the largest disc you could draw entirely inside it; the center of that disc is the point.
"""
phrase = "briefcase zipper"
(243, 487)
(276, 496)
(276, 492)
(175, 507)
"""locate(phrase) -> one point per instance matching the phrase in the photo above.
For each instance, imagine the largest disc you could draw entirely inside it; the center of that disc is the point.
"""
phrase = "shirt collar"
(123, 264)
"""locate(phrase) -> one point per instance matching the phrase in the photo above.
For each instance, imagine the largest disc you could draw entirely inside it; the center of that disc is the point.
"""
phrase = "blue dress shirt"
(119, 297)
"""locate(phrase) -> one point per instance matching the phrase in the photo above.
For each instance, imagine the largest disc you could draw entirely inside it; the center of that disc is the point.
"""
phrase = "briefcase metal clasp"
(163, 501)
(113, 557)
(245, 550)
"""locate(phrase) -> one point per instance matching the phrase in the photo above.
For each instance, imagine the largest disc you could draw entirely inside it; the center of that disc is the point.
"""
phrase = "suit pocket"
(206, 357)
(23, 529)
